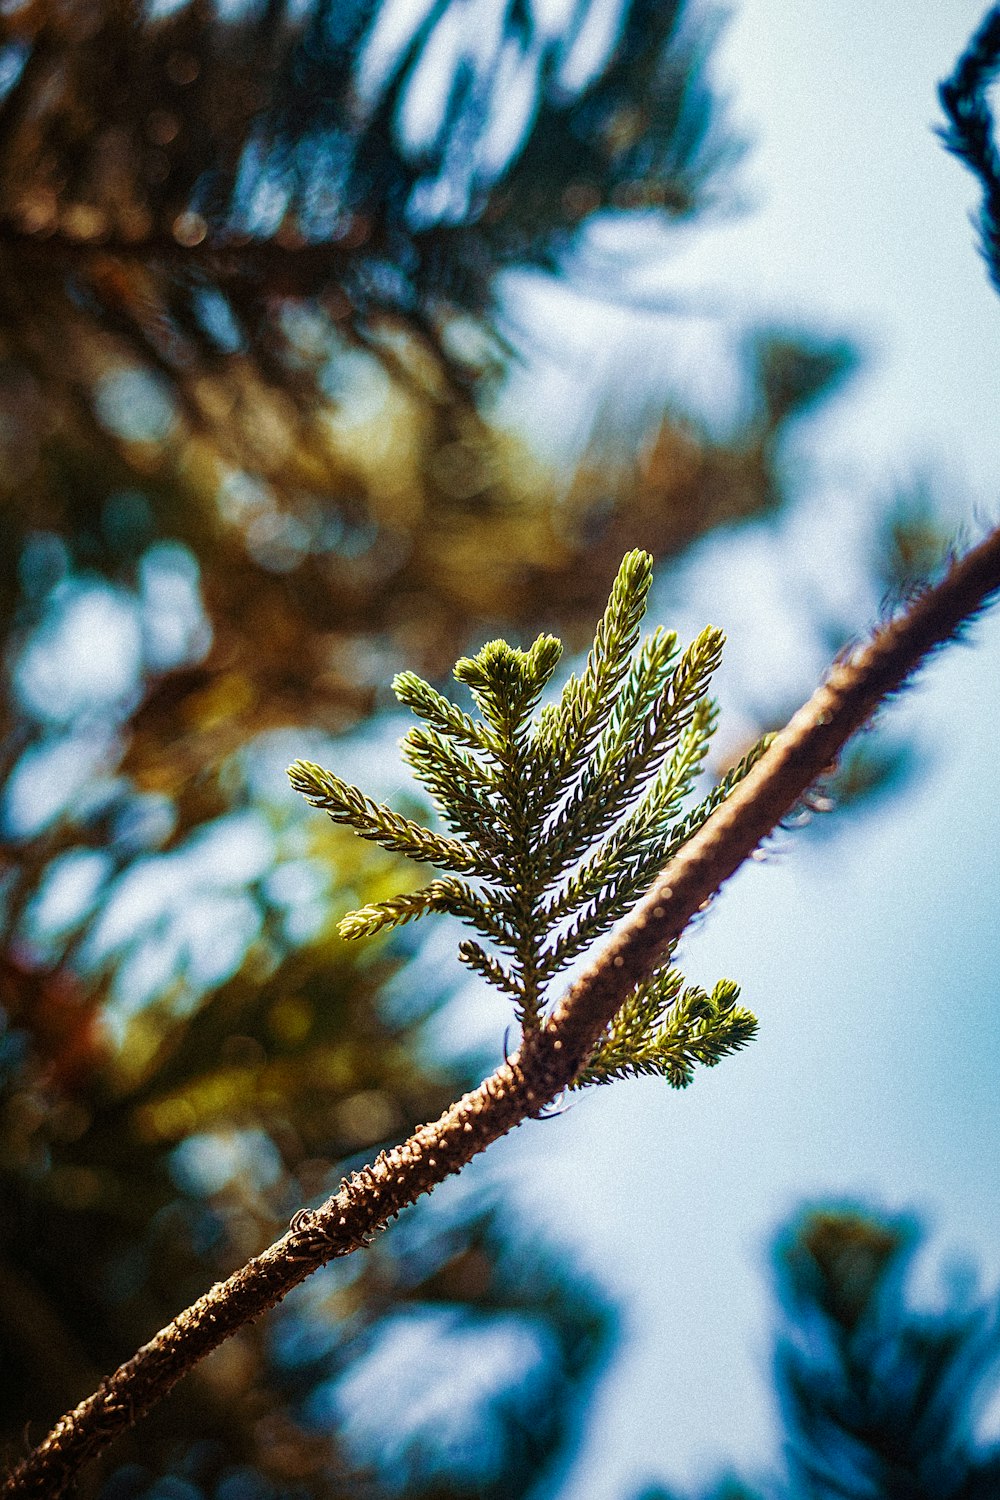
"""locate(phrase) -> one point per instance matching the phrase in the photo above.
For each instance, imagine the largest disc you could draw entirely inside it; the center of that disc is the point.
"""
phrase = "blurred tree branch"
(970, 133)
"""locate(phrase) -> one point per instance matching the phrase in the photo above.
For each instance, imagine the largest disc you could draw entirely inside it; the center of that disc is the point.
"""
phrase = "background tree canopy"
(254, 341)
(878, 1396)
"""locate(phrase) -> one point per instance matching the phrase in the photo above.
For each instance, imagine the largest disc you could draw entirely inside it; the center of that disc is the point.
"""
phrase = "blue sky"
(870, 954)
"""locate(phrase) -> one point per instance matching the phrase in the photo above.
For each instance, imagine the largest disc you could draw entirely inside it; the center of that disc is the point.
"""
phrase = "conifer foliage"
(879, 1398)
(557, 822)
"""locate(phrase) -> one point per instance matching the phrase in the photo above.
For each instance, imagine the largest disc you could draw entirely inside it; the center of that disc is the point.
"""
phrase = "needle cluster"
(556, 822)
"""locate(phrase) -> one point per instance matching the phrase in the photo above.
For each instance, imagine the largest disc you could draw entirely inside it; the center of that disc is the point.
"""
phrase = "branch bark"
(549, 1058)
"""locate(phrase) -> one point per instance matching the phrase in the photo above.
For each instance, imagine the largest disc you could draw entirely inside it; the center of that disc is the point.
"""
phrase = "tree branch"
(550, 1057)
(296, 267)
(969, 134)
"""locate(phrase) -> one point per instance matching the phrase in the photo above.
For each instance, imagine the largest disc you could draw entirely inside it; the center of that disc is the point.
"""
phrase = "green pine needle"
(559, 821)
(661, 1031)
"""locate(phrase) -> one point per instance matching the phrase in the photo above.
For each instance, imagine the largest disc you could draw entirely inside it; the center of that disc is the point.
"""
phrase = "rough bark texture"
(550, 1058)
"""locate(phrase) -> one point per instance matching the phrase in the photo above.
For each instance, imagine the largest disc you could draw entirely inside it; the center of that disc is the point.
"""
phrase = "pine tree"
(879, 1399)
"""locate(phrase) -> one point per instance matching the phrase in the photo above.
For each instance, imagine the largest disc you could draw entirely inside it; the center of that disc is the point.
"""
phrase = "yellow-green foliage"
(558, 822)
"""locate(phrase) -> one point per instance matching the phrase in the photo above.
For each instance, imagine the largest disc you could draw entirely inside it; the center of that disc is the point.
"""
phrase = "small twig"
(550, 1057)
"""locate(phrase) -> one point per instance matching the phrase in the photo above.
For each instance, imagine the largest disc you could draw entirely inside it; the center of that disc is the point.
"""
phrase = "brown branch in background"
(550, 1058)
(290, 266)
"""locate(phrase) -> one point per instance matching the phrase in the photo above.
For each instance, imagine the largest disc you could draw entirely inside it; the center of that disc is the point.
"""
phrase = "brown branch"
(549, 1058)
(296, 267)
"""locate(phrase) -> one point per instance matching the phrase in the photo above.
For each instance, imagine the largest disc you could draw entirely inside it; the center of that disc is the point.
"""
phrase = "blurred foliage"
(253, 336)
(880, 1400)
(132, 1176)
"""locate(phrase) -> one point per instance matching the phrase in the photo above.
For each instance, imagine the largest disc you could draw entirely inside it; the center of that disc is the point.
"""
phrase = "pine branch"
(366, 921)
(436, 710)
(646, 723)
(296, 269)
(612, 759)
(487, 967)
(969, 134)
(661, 1032)
(795, 758)
(567, 731)
(616, 874)
(551, 1057)
(346, 804)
